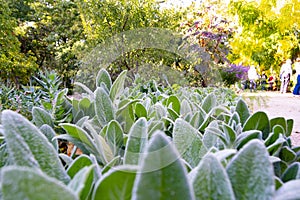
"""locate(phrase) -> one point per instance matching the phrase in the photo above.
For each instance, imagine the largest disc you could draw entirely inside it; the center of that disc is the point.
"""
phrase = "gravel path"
(277, 105)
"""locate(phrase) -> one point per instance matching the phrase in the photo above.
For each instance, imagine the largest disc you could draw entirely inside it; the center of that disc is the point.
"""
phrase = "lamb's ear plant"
(188, 142)
(104, 108)
(103, 77)
(256, 181)
(117, 183)
(243, 111)
(27, 146)
(210, 180)
(50, 134)
(161, 160)
(89, 142)
(149, 142)
(83, 181)
(4, 157)
(136, 143)
(28, 183)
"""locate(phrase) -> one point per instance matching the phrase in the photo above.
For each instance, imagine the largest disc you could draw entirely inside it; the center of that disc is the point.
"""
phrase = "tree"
(43, 35)
(267, 33)
(53, 36)
(15, 66)
(209, 28)
(108, 18)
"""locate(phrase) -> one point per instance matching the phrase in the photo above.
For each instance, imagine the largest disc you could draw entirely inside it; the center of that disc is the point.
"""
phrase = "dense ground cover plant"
(20, 100)
(149, 142)
(42, 91)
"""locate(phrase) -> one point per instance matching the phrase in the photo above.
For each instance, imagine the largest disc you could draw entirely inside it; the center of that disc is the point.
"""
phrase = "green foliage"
(158, 165)
(50, 134)
(78, 164)
(210, 180)
(208, 147)
(41, 117)
(268, 33)
(54, 33)
(120, 25)
(82, 182)
(27, 146)
(137, 140)
(15, 65)
(116, 184)
(188, 142)
(107, 18)
(258, 121)
(243, 111)
(103, 107)
(103, 77)
(43, 90)
(15, 179)
(256, 180)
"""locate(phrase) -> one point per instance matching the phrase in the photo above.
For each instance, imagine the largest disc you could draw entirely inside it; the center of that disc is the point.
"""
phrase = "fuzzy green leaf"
(174, 102)
(82, 182)
(140, 110)
(251, 172)
(209, 102)
(292, 172)
(289, 128)
(115, 161)
(103, 77)
(114, 136)
(117, 183)
(137, 139)
(198, 119)
(274, 148)
(155, 126)
(288, 191)
(84, 103)
(246, 136)
(278, 121)
(173, 114)
(162, 174)
(210, 181)
(273, 136)
(287, 154)
(161, 111)
(188, 142)
(185, 107)
(50, 134)
(210, 137)
(4, 156)
(103, 107)
(79, 163)
(27, 183)
(230, 133)
(258, 121)
(78, 133)
(118, 86)
(41, 117)
(243, 111)
(27, 146)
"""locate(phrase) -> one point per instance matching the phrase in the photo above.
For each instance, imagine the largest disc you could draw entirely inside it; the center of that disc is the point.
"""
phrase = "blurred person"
(285, 75)
(252, 76)
(271, 81)
(263, 81)
(297, 86)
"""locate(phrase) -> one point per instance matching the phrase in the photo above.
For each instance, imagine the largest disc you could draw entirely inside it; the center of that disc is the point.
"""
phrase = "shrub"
(234, 73)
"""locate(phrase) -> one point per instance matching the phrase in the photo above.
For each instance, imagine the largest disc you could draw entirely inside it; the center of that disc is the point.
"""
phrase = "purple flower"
(240, 71)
